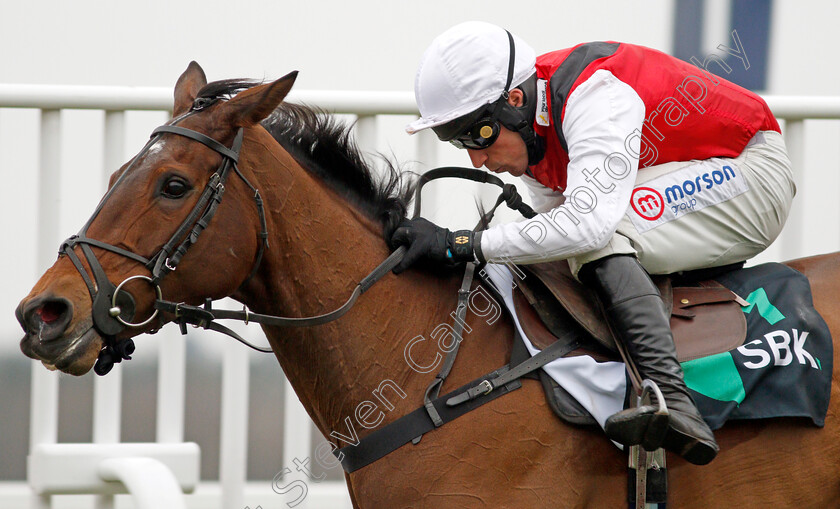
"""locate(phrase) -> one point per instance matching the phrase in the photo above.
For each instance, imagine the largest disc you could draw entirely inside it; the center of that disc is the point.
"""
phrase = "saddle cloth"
(783, 368)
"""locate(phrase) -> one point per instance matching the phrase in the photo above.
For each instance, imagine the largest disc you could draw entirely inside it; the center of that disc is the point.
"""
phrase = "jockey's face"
(507, 154)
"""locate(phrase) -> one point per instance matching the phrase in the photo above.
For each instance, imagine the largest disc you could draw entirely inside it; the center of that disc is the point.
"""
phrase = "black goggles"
(478, 136)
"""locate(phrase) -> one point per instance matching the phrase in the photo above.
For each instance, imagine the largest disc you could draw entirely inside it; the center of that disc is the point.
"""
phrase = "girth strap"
(449, 407)
(393, 436)
(556, 350)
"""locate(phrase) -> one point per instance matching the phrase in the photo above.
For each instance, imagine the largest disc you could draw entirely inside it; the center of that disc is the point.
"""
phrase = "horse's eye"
(174, 188)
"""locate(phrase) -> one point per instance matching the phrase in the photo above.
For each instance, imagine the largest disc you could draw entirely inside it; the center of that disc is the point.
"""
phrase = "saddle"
(706, 319)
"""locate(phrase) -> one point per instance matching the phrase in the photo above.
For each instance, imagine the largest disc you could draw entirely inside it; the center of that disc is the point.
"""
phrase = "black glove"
(427, 240)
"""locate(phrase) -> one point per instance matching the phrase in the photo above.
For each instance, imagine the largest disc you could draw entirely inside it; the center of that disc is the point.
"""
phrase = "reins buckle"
(182, 324)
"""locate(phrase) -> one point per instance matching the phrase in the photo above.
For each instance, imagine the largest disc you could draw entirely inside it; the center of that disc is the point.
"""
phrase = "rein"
(204, 316)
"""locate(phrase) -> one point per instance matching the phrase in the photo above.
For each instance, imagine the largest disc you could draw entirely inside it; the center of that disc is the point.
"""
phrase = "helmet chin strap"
(521, 120)
(536, 150)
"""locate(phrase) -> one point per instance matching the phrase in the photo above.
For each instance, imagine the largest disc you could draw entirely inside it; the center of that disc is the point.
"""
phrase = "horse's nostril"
(51, 311)
(47, 317)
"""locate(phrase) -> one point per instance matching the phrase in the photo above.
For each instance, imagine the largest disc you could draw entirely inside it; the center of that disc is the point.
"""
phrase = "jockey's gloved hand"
(425, 239)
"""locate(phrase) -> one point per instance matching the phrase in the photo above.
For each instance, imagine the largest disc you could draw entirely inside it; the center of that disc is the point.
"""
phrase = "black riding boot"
(637, 315)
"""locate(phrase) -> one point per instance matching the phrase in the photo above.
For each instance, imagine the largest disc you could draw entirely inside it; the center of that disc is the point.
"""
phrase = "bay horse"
(325, 214)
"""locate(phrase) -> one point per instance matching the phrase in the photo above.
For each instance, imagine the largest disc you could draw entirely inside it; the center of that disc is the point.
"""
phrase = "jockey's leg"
(637, 315)
(697, 214)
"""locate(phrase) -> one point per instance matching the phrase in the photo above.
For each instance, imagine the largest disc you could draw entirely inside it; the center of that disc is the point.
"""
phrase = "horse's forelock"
(226, 88)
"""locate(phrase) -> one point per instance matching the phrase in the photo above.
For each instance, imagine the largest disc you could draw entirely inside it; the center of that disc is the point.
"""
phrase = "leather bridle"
(112, 308)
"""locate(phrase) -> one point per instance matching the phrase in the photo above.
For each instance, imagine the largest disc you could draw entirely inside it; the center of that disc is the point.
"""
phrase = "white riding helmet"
(465, 68)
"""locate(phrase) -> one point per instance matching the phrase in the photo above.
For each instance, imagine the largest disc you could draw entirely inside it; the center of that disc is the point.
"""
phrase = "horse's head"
(156, 204)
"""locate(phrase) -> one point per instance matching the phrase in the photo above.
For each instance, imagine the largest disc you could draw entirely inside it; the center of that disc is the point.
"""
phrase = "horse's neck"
(320, 248)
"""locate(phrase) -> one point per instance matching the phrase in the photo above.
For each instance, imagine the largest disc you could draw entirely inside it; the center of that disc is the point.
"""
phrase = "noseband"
(113, 309)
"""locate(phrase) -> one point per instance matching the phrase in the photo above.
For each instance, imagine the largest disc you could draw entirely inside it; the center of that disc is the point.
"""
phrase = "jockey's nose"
(45, 317)
(477, 157)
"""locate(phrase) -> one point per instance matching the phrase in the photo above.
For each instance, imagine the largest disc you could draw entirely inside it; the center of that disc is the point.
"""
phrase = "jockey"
(637, 163)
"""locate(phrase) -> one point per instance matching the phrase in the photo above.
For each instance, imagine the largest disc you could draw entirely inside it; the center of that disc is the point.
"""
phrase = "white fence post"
(172, 359)
(795, 225)
(107, 404)
(366, 132)
(297, 429)
(114, 146)
(233, 454)
(107, 392)
(43, 418)
(44, 409)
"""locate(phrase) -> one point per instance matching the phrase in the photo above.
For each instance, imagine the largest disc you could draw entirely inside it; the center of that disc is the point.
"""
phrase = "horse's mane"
(325, 147)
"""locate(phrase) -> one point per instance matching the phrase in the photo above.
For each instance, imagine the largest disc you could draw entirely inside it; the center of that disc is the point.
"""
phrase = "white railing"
(115, 101)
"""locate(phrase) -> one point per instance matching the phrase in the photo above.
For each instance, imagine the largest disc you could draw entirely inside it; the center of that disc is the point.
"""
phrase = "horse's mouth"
(74, 353)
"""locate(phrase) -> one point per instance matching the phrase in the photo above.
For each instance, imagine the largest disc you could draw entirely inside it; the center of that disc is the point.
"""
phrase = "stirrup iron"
(644, 424)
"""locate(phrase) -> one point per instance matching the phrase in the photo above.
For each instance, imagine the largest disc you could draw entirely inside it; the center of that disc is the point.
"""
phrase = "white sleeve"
(601, 115)
(543, 198)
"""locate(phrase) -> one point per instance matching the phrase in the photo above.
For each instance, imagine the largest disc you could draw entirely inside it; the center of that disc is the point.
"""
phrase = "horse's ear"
(187, 88)
(253, 105)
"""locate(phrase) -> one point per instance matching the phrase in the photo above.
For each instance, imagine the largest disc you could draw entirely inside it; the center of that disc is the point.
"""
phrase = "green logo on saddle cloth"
(758, 299)
(715, 377)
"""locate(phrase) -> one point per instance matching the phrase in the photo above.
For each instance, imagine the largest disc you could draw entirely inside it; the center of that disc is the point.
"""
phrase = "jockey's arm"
(601, 114)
